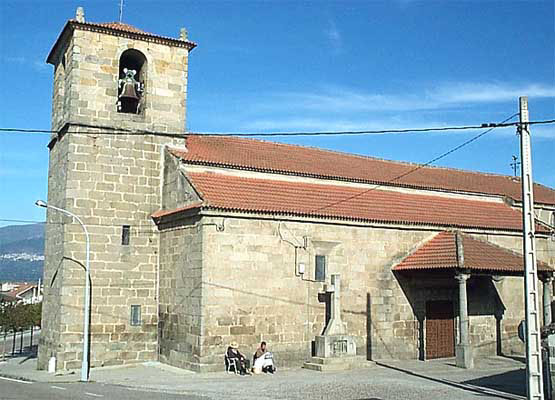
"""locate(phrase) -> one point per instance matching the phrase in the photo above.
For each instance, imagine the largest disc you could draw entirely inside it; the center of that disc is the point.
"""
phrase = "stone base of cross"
(335, 324)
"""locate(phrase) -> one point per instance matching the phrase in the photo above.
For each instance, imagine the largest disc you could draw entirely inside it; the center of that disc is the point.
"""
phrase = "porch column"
(463, 350)
(547, 291)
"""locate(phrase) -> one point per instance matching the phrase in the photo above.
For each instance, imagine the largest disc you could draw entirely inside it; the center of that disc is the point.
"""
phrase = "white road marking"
(93, 394)
(58, 387)
(15, 380)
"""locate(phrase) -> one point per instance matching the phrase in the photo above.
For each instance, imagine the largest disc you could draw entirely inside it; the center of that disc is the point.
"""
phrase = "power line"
(144, 227)
(22, 221)
(420, 166)
(104, 131)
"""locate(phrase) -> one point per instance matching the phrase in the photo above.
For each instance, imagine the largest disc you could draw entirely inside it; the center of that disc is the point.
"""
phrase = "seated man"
(242, 363)
(263, 360)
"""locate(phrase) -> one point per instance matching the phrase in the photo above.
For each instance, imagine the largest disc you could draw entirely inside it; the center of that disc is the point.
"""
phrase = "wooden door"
(440, 329)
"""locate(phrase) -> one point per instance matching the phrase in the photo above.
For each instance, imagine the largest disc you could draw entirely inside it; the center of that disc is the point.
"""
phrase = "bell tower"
(119, 95)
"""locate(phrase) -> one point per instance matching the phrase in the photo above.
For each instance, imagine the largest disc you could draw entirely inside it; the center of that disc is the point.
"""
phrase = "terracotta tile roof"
(118, 26)
(120, 29)
(21, 289)
(232, 193)
(441, 253)
(163, 213)
(233, 152)
(7, 297)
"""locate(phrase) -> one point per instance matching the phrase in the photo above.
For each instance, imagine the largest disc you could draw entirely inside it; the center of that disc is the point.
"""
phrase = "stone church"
(197, 240)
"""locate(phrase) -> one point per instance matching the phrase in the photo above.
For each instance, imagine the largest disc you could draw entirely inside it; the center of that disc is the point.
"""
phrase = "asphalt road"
(12, 389)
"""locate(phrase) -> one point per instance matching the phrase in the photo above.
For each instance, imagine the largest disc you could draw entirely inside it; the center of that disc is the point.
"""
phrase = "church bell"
(128, 92)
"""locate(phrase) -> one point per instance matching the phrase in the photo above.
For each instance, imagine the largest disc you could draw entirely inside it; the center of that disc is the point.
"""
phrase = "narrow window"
(320, 270)
(135, 315)
(125, 235)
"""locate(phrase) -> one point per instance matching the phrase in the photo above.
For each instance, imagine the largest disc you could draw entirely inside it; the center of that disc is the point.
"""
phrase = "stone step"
(326, 367)
(337, 363)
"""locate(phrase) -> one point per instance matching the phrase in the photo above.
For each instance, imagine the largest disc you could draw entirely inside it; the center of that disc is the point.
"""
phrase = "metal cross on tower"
(515, 164)
(120, 10)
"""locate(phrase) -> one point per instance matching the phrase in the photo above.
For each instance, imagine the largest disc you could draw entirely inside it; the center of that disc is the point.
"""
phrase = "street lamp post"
(85, 363)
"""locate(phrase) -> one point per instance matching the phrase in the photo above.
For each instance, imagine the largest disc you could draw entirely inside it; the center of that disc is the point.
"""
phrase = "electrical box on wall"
(301, 268)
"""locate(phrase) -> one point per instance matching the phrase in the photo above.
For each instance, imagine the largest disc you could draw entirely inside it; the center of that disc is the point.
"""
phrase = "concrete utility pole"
(534, 381)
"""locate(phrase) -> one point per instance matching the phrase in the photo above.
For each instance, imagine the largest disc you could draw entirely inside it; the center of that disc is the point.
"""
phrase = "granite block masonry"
(105, 168)
(177, 274)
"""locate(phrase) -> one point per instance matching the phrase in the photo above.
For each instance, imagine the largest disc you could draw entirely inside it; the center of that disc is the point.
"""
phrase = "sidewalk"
(492, 378)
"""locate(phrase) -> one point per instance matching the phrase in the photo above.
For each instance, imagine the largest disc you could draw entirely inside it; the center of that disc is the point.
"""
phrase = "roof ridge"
(515, 253)
(362, 156)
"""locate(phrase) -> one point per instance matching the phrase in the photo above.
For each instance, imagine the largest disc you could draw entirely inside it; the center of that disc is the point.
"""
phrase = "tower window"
(135, 315)
(320, 269)
(125, 231)
(131, 83)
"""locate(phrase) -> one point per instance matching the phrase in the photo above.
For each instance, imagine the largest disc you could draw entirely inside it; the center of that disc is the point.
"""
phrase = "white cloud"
(331, 124)
(18, 60)
(339, 99)
(543, 131)
(41, 66)
(334, 37)
(488, 92)
(37, 65)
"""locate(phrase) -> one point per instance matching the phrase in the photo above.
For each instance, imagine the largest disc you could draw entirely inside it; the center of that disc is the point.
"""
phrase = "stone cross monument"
(335, 342)
(335, 325)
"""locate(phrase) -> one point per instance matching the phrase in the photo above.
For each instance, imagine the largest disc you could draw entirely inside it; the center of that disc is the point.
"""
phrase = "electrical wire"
(106, 131)
(420, 166)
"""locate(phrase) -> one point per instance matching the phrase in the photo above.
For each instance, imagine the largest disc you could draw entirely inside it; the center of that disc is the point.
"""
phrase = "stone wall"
(251, 291)
(90, 88)
(181, 274)
(109, 180)
(53, 250)
(176, 189)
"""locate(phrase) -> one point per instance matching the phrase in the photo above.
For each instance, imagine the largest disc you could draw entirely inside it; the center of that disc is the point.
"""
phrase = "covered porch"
(453, 277)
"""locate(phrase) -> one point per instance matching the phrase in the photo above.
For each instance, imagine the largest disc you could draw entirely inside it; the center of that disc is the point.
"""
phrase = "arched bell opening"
(131, 83)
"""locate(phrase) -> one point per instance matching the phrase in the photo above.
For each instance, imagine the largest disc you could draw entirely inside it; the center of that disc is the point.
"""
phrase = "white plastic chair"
(231, 365)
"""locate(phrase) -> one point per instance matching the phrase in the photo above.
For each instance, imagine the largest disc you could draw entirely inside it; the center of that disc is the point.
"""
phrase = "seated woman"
(263, 360)
(242, 363)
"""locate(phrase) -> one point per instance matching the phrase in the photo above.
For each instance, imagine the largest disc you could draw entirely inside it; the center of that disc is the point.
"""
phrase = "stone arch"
(133, 68)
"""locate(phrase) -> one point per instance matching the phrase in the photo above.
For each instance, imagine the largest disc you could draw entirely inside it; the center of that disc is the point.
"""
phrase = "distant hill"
(21, 252)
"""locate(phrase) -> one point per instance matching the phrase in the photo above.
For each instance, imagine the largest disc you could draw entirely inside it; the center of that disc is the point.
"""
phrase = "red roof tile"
(163, 213)
(118, 28)
(21, 289)
(234, 193)
(259, 155)
(441, 253)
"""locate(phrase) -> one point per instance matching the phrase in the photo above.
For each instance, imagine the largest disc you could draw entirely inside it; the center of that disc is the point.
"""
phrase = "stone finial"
(80, 14)
(183, 34)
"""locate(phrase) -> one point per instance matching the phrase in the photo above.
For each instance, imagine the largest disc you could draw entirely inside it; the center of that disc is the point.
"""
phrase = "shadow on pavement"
(513, 382)
(475, 386)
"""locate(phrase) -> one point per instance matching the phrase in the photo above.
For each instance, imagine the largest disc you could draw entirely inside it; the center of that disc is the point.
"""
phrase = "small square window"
(125, 230)
(135, 315)
(320, 270)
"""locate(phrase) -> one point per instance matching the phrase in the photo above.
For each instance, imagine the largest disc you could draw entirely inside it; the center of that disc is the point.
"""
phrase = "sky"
(267, 66)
